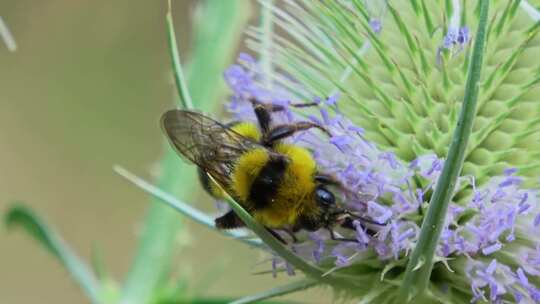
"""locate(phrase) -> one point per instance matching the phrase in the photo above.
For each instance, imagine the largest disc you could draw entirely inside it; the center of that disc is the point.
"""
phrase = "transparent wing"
(206, 142)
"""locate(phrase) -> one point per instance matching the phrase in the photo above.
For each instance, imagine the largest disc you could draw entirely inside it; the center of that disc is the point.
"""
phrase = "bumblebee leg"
(304, 105)
(276, 235)
(276, 108)
(263, 117)
(229, 221)
(291, 234)
(284, 131)
(263, 110)
(348, 223)
(335, 238)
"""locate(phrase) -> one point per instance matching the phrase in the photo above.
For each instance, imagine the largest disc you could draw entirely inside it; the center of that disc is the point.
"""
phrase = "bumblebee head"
(324, 197)
(331, 213)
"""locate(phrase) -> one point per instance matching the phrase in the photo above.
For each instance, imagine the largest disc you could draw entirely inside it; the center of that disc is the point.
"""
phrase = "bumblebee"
(278, 183)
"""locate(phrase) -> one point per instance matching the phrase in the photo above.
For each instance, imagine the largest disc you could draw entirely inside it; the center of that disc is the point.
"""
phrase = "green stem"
(419, 267)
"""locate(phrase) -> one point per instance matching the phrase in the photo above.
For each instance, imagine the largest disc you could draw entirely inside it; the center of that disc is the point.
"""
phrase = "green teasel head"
(401, 66)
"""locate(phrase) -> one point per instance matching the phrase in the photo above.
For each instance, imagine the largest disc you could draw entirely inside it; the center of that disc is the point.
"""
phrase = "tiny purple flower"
(463, 35)
(456, 37)
(491, 249)
(376, 25)
(319, 247)
(332, 100)
(451, 38)
(509, 171)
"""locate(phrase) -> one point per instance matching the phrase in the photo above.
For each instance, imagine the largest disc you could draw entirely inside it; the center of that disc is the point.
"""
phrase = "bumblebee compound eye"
(324, 197)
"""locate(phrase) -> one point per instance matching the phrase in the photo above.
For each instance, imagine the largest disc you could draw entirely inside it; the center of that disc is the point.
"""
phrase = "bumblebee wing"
(206, 142)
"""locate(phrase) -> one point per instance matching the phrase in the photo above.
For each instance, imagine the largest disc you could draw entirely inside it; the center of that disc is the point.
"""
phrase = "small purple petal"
(358, 130)
(341, 142)
(450, 38)
(376, 25)
(493, 291)
(435, 166)
(407, 234)
(510, 180)
(534, 293)
(319, 247)
(491, 267)
(523, 206)
(511, 237)
(518, 296)
(456, 37)
(341, 259)
(537, 220)
(325, 116)
(499, 194)
(332, 100)
(361, 235)
(379, 213)
(491, 249)
(414, 164)
(463, 35)
(247, 58)
(400, 199)
(420, 195)
(509, 171)
(522, 277)
(382, 249)
(236, 77)
(390, 158)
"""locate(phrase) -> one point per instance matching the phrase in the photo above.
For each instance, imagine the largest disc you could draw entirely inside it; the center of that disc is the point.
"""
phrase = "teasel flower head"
(389, 80)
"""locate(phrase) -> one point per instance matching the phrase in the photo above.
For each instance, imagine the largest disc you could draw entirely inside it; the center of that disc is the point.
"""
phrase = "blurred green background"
(84, 91)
